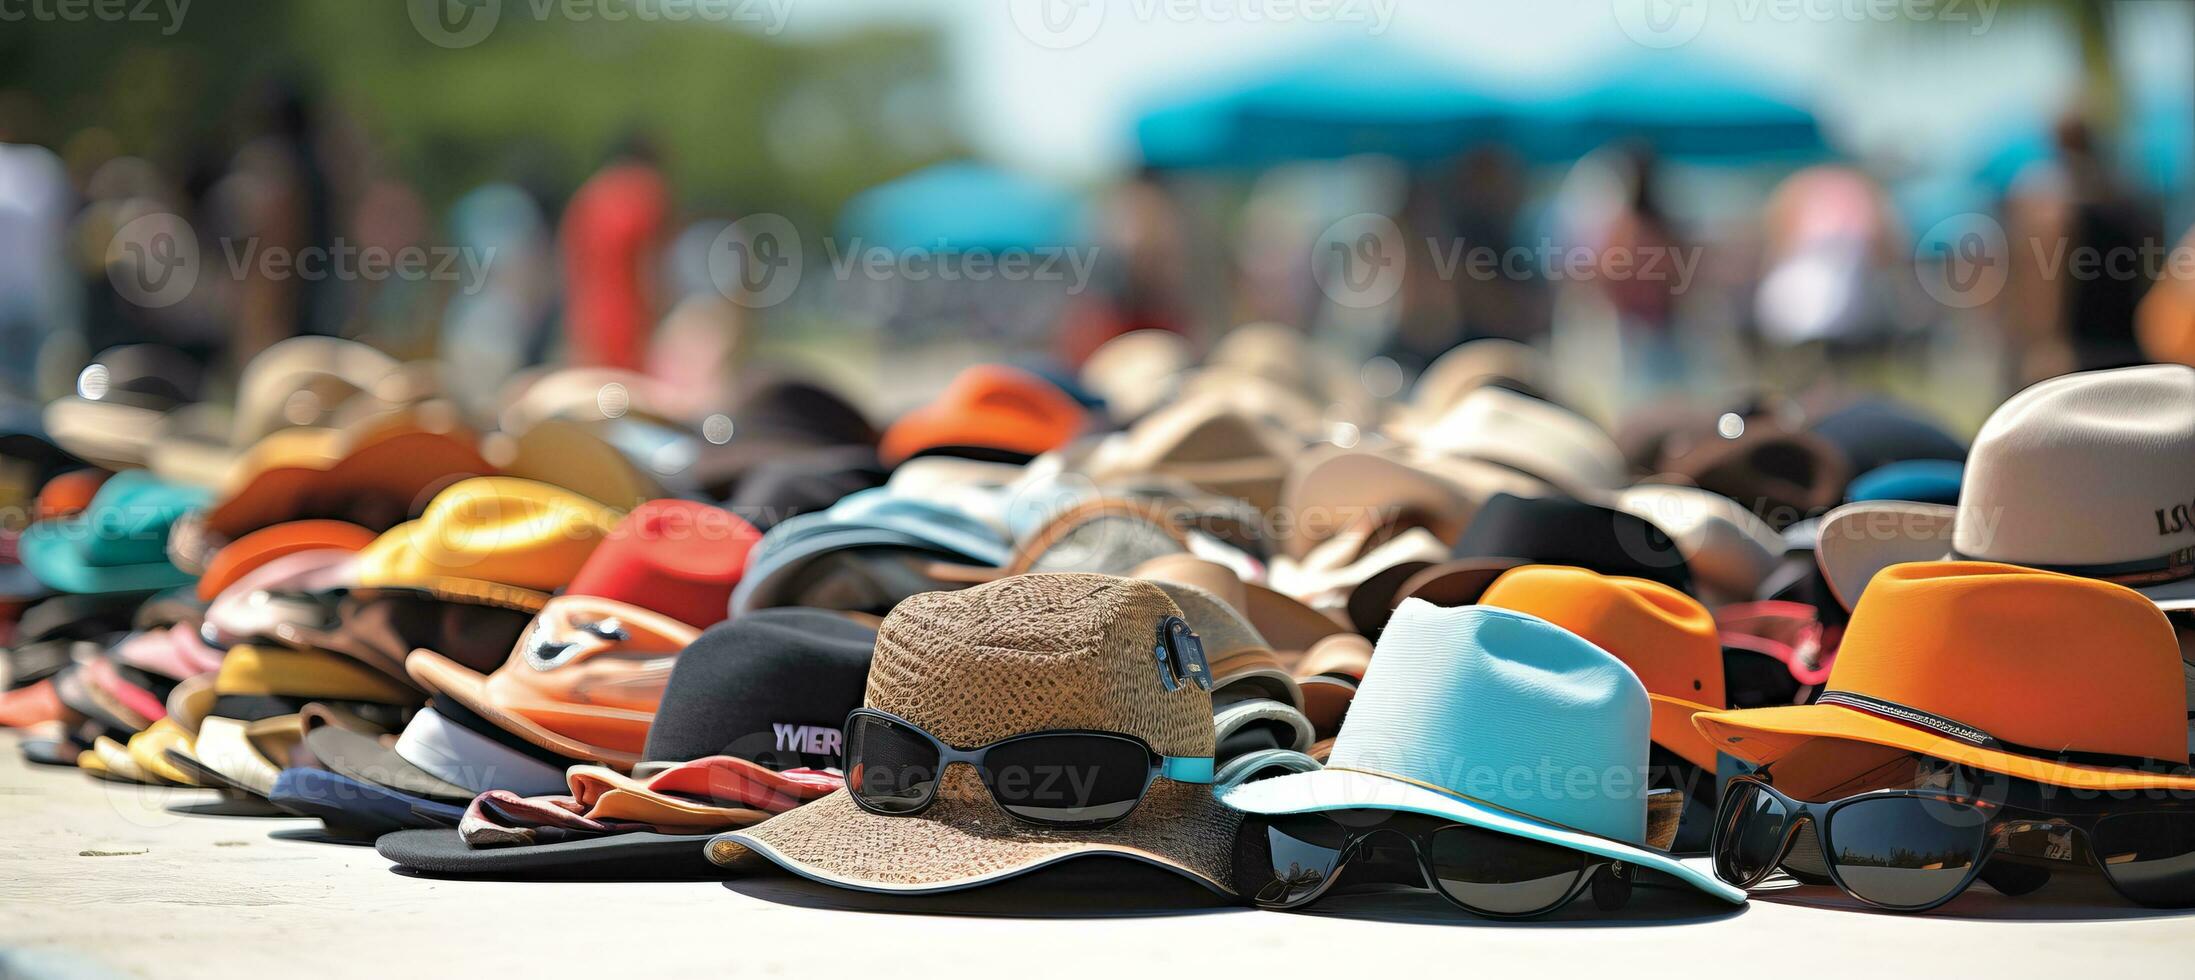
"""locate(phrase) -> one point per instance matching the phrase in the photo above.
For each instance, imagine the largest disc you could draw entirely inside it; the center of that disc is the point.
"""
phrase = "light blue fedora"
(874, 518)
(1499, 720)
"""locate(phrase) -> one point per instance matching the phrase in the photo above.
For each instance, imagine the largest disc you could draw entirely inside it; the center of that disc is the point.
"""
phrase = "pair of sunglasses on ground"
(1286, 862)
(1911, 850)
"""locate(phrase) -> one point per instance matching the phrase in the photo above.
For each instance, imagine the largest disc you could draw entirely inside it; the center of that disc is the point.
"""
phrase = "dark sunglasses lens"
(1905, 852)
(1068, 779)
(889, 768)
(2149, 856)
(1284, 861)
(1749, 837)
(1501, 874)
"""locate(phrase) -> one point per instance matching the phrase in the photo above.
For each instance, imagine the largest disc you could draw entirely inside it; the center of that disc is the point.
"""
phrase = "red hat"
(675, 557)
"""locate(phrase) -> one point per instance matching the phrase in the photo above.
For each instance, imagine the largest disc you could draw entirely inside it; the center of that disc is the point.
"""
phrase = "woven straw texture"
(1024, 654)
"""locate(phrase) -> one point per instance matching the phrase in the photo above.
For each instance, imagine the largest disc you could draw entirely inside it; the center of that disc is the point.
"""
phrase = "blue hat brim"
(347, 804)
(1337, 789)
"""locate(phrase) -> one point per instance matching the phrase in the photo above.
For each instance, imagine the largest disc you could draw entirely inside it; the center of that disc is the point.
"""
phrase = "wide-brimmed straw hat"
(1031, 653)
(2041, 676)
(2091, 474)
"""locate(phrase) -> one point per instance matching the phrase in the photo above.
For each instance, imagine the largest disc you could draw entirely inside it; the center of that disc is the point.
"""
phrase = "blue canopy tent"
(962, 206)
(1682, 107)
(1360, 98)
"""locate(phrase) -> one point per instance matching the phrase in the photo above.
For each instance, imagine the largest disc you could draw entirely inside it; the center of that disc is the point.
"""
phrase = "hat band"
(1979, 738)
(2174, 567)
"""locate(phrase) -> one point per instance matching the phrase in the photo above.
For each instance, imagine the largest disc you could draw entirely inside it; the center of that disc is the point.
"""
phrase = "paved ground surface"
(106, 880)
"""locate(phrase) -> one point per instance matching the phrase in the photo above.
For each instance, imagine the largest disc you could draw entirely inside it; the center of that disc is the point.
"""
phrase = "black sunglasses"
(1285, 862)
(1079, 779)
(1912, 850)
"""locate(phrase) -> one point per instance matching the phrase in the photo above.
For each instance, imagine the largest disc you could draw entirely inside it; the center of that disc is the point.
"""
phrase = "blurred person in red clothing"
(613, 237)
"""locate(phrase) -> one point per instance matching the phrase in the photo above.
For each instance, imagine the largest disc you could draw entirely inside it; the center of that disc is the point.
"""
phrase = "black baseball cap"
(1510, 531)
(772, 687)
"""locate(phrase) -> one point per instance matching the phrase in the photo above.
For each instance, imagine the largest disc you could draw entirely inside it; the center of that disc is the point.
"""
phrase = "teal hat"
(119, 543)
(1498, 720)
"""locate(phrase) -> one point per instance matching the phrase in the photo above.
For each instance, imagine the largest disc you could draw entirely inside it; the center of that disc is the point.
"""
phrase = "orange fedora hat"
(1663, 635)
(239, 557)
(989, 410)
(2041, 676)
(584, 680)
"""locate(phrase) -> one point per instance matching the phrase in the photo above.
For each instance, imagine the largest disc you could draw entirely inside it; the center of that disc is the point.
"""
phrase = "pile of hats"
(1230, 615)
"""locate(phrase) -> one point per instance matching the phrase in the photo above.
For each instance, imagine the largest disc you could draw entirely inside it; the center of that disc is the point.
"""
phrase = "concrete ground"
(100, 879)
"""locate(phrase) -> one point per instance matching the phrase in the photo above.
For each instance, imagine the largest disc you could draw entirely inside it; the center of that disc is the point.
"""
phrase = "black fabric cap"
(1562, 531)
(777, 419)
(622, 857)
(150, 376)
(773, 687)
(789, 485)
(78, 617)
(1876, 432)
(34, 662)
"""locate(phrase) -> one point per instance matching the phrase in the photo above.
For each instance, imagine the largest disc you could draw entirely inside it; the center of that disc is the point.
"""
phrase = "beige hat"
(1207, 441)
(1530, 435)
(1730, 550)
(299, 382)
(1137, 370)
(1290, 626)
(1032, 653)
(1333, 490)
(1243, 664)
(2090, 474)
(1467, 368)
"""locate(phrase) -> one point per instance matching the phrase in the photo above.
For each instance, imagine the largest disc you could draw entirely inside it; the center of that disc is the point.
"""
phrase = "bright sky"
(1054, 85)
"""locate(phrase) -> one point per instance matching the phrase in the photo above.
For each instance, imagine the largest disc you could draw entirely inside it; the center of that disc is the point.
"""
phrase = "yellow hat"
(490, 538)
(279, 672)
(149, 749)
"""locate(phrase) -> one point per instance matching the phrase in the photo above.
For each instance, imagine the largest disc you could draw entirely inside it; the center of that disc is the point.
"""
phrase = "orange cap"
(68, 493)
(1663, 635)
(989, 406)
(2040, 676)
(241, 556)
(584, 681)
(376, 472)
